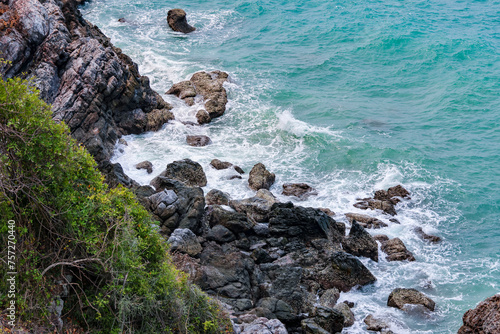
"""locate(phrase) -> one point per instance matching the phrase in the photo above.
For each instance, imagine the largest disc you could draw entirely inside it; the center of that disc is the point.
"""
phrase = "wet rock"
(365, 220)
(309, 326)
(347, 313)
(327, 211)
(400, 297)
(176, 19)
(217, 164)
(392, 193)
(431, 238)
(263, 326)
(218, 197)
(262, 256)
(329, 319)
(374, 204)
(485, 318)
(374, 324)
(360, 243)
(122, 20)
(260, 177)
(198, 141)
(147, 165)
(344, 272)
(114, 175)
(234, 221)
(157, 118)
(330, 297)
(187, 171)
(256, 208)
(384, 200)
(396, 250)
(203, 117)
(299, 190)
(220, 234)
(185, 241)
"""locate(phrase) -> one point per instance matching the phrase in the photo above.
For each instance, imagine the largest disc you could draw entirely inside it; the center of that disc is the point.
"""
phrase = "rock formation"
(176, 19)
(485, 318)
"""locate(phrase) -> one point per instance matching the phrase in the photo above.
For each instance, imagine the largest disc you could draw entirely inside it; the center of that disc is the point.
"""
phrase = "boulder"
(203, 117)
(375, 204)
(400, 297)
(309, 326)
(234, 221)
(176, 19)
(184, 241)
(278, 307)
(392, 194)
(327, 211)
(365, 220)
(198, 141)
(374, 324)
(256, 208)
(431, 238)
(260, 177)
(220, 234)
(329, 319)
(187, 171)
(218, 197)
(396, 250)
(384, 200)
(147, 165)
(329, 298)
(485, 318)
(360, 243)
(300, 190)
(217, 164)
(263, 326)
(346, 312)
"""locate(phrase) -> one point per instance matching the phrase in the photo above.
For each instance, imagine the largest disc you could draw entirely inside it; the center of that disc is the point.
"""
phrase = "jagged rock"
(400, 297)
(391, 194)
(374, 204)
(347, 313)
(122, 20)
(299, 190)
(234, 221)
(203, 117)
(256, 208)
(281, 309)
(485, 318)
(262, 256)
(220, 234)
(329, 298)
(309, 326)
(260, 177)
(327, 211)
(365, 220)
(344, 272)
(217, 164)
(374, 324)
(360, 243)
(218, 197)
(431, 238)
(176, 19)
(185, 241)
(198, 141)
(147, 165)
(384, 200)
(329, 319)
(162, 203)
(187, 171)
(263, 326)
(396, 250)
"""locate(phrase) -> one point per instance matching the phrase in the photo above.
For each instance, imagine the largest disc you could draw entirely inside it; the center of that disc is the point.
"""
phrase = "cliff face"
(93, 87)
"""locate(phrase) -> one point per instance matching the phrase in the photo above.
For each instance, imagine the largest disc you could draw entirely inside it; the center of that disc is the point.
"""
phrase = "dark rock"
(374, 324)
(176, 19)
(392, 193)
(187, 171)
(147, 165)
(234, 221)
(348, 303)
(384, 200)
(485, 318)
(365, 220)
(234, 177)
(122, 20)
(360, 243)
(281, 309)
(329, 319)
(198, 141)
(381, 238)
(162, 204)
(431, 238)
(309, 326)
(203, 117)
(217, 164)
(299, 190)
(347, 313)
(396, 250)
(344, 272)
(256, 208)
(284, 282)
(261, 256)
(329, 298)
(327, 211)
(374, 204)
(220, 234)
(263, 326)
(218, 197)
(400, 297)
(260, 177)
(114, 175)
(185, 241)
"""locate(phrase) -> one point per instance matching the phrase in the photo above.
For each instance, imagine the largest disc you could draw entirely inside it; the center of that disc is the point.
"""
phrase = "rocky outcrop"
(424, 236)
(360, 243)
(218, 197)
(394, 248)
(400, 297)
(347, 313)
(365, 220)
(256, 208)
(374, 324)
(198, 140)
(184, 241)
(188, 171)
(262, 326)
(300, 190)
(384, 200)
(484, 319)
(176, 19)
(260, 177)
(147, 165)
(217, 164)
(93, 87)
(208, 86)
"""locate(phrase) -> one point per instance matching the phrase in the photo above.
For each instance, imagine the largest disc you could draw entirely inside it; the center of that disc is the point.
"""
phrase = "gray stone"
(360, 243)
(185, 241)
(400, 297)
(147, 165)
(218, 197)
(220, 234)
(347, 313)
(176, 19)
(199, 140)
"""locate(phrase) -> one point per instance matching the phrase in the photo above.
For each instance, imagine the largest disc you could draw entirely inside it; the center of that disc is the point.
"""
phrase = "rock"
(384, 200)
(360, 243)
(218, 197)
(217, 164)
(311, 327)
(365, 220)
(396, 250)
(329, 319)
(234, 221)
(176, 19)
(485, 318)
(373, 204)
(344, 272)
(260, 177)
(147, 165)
(185, 241)
(114, 175)
(122, 20)
(391, 193)
(263, 326)
(256, 208)
(299, 190)
(327, 211)
(209, 86)
(162, 203)
(329, 298)
(187, 171)
(203, 117)
(281, 309)
(374, 324)
(347, 313)
(431, 238)
(198, 141)
(220, 234)
(400, 297)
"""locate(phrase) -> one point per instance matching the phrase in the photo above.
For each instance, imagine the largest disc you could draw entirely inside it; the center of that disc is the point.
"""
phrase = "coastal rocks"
(217, 164)
(360, 243)
(208, 86)
(187, 171)
(220, 234)
(260, 177)
(365, 220)
(384, 200)
(202, 116)
(256, 208)
(147, 165)
(395, 249)
(400, 297)
(262, 326)
(176, 19)
(184, 241)
(374, 324)
(300, 190)
(347, 313)
(424, 236)
(485, 318)
(199, 140)
(329, 319)
(218, 197)
(234, 221)
(330, 297)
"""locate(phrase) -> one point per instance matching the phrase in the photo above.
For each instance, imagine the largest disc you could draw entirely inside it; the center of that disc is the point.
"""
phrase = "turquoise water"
(349, 97)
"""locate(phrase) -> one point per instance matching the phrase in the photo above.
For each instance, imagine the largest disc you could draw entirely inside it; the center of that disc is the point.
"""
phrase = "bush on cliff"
(74, 232)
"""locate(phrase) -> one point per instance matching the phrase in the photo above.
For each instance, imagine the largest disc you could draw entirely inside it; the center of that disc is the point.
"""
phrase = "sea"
(349, 97)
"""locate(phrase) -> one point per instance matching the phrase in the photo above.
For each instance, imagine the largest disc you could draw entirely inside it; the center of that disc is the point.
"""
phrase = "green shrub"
(69, 223)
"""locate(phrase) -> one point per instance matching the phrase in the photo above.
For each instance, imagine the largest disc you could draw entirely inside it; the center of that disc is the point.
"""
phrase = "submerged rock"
(374, 324)
(176, 19)
(485, 318)
(400, 297)
(299, 190)
(199, 140)
(147, 165)
(384, 200)
(431, 238)
(260, 177)
(395, 249)
(217, 164)
(365, 220)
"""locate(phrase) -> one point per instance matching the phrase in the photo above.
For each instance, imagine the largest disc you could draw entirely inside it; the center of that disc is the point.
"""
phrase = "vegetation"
(73, 231)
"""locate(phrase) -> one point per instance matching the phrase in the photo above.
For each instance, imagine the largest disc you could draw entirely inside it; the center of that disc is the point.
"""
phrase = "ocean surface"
(350, 97)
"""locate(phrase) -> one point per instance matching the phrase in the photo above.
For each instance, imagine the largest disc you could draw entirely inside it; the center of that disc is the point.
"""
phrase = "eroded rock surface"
(400, 297)
(484, 319)
(260, 177)
(176, 19)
